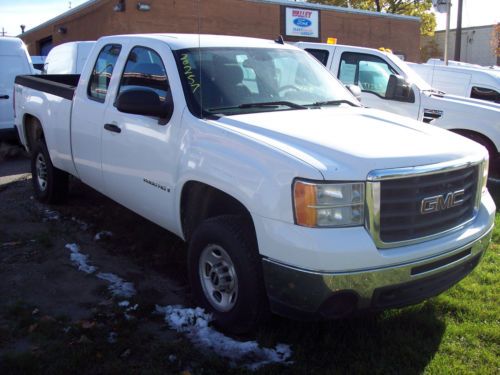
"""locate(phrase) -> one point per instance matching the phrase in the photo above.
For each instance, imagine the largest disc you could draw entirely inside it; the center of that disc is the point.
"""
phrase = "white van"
(14, 60)
(67, 58)
(465, 80)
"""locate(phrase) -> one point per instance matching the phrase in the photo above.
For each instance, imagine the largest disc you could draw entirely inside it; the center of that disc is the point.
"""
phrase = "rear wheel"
(49, 183)
(226, 274)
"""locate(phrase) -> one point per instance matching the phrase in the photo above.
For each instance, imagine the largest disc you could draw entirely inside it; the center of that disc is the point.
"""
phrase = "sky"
(474, 13)
(31, 13)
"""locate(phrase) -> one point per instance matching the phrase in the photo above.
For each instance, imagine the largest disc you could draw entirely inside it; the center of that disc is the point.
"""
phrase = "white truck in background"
(292, 196)
(388, 83)
(68, 58)
(463, 80)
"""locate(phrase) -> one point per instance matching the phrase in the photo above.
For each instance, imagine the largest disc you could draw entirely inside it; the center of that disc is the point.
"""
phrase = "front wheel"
(226, 273)
(49, 183)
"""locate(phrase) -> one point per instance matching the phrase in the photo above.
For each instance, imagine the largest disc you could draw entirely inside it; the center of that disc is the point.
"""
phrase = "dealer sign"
(302, 22)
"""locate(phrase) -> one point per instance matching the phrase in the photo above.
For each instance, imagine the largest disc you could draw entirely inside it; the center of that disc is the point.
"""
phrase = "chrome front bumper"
(302, 293)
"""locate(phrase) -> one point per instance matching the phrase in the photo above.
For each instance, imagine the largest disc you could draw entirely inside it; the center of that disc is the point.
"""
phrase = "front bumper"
(304, 294)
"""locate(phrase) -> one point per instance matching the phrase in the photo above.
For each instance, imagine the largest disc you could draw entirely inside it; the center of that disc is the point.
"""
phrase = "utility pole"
(447, 33)
(458, 33)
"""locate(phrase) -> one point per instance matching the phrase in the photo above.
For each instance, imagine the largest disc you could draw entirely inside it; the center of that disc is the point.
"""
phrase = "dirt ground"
(39, 278)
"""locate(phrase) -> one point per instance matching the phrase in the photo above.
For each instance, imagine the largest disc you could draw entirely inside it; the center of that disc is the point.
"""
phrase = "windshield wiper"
(332, 102)
(261, 105)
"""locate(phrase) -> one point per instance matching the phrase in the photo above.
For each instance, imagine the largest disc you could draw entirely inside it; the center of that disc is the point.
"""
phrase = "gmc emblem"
(442, 202)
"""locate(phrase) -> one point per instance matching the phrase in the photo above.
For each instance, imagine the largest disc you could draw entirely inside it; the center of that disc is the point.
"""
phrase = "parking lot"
(55, 317)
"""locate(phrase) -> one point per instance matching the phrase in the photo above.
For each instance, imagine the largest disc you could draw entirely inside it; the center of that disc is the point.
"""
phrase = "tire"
(225, 273)
(49, 183)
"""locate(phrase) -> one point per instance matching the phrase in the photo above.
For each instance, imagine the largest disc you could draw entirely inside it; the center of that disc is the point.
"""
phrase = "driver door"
(371, 74)
(138, 151)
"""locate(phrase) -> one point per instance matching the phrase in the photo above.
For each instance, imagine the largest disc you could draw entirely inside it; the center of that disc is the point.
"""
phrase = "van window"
(145, 69)
(369, 72)
(320, 54)
(103, 69)
(485, 94)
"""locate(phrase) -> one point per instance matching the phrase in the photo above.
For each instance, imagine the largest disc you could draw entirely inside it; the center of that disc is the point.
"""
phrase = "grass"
(457, 332)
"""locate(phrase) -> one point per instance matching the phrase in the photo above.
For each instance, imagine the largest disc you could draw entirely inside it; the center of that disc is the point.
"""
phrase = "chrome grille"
(394, 201)
(400, 204)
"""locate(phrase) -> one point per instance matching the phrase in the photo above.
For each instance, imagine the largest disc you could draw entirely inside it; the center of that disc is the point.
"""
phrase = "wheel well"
(33, 130)
(478, 137)
(200, 201)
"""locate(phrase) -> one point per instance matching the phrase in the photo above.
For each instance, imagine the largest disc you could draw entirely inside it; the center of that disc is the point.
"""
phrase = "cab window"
(145, 70)
(101, 74)
(369, 72)
(320, 54)
(485, 94)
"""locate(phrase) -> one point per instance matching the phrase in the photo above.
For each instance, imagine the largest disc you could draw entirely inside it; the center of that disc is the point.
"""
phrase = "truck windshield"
(231, 81)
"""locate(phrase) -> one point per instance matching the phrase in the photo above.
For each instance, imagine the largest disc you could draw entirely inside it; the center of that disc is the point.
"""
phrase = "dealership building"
(268, 19)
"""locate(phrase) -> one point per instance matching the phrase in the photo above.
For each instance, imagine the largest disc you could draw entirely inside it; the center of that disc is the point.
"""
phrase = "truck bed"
(62, 85)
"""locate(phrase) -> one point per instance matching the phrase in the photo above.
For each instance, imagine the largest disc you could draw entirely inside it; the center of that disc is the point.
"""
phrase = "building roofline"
(469, 28)
(337, 9)
(276, 2)
(69, 12)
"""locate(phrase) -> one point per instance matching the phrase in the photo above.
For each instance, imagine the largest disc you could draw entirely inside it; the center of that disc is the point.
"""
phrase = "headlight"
(328, 205)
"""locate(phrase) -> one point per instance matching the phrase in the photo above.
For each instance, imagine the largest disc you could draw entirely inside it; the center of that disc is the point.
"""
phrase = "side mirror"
(400, 90)
(145, 102)
(355, 90)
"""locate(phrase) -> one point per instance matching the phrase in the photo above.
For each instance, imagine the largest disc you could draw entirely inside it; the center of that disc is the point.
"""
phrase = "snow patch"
(50, 215)
(118, 287)
(112, 337)
(103, 235)
(195, 324)
(83, 225)
(79, 259)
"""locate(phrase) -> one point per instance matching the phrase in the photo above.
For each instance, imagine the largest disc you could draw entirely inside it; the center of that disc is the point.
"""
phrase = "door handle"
(112, 128)
(4, 96)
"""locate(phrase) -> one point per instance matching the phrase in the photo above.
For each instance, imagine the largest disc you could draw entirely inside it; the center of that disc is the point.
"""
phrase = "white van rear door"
(10, 67)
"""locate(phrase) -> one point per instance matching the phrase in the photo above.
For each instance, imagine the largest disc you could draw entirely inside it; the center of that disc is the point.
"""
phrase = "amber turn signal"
(304, 196)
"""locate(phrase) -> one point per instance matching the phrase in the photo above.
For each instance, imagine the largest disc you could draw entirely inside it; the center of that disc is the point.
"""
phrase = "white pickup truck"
(390, 84)
(293, 197)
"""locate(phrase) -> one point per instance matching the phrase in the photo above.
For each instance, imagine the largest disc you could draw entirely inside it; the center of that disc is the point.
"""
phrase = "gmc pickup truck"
(390, 84)
(292, 196)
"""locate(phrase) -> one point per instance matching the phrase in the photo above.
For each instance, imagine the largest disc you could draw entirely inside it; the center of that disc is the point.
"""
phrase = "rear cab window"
(101, 74)
(320, 54)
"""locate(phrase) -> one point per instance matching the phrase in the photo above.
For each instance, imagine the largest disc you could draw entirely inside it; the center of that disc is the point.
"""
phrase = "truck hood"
(346, 143)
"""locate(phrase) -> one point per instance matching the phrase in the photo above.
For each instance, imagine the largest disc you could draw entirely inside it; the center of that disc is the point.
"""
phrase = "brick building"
(256, 18)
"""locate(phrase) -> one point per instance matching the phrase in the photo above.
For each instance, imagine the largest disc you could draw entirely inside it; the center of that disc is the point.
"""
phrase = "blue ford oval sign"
(302, 22)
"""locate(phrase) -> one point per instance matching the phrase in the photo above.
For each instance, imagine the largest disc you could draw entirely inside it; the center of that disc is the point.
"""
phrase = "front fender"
(257, 175)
